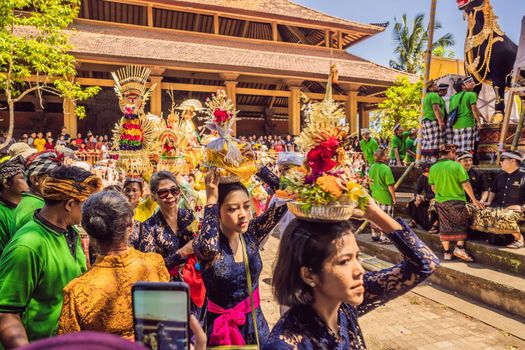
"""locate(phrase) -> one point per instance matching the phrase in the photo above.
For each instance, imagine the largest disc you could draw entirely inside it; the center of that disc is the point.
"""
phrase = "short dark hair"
(306, 244)
(106, 216)
(158, 177)
(225, 189)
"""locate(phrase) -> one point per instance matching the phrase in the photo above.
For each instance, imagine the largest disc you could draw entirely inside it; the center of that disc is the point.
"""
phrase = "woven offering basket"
(325, 213)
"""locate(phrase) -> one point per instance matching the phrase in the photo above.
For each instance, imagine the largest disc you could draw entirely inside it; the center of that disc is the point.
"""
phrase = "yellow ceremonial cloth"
(100, 299)
(145, 209)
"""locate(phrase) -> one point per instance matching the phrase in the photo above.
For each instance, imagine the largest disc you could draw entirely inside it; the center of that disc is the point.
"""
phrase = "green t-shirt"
(431, 99)
(369, 148)
(465, 116)
(399, 143)
(382, 177)
(25, 209)
(410, 145)
(6, 223)
(35, 267)
(448, 177)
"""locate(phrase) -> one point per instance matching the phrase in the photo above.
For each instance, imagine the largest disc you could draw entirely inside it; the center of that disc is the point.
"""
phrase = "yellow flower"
(328, 183)
(356, 191)
(300, 169)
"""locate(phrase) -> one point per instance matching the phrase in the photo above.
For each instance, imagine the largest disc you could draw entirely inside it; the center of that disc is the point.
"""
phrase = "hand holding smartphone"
(161, 313)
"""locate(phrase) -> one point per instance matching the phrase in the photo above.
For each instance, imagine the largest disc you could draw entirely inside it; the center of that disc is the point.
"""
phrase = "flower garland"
(132, 135)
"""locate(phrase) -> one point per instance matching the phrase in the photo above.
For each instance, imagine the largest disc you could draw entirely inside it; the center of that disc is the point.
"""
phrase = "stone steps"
(497, 257)
(502, 290)
(498, 319)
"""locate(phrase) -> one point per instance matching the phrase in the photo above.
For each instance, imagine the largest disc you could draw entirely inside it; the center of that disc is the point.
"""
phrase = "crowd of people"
(72, 246)
(40, 141)
(75, 237)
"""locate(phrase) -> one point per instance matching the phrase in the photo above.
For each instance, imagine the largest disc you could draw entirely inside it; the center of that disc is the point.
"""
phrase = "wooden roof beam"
(266, 19)
(245, 28)
(197, 22)
(297, 32)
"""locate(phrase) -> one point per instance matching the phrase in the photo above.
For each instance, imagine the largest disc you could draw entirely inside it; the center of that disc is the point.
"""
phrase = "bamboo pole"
(517, 135)
(396, 186)
(428, 58)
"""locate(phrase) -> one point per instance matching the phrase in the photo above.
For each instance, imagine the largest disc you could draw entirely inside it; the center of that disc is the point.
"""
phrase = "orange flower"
(328, 183)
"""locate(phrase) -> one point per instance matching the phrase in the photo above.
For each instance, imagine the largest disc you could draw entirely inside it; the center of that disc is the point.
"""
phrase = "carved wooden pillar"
(294, 106)
(230, 84)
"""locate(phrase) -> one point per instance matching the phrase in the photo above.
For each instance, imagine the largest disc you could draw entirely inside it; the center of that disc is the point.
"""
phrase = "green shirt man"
(369, 148)
(39, 261)
(466, 118)
(25, 210)
(6, 222)
(431, 99)
(398, 142)
(382, 177)
(447, 177)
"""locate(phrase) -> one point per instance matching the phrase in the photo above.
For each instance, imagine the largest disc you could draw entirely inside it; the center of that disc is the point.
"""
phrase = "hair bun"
(98, 223)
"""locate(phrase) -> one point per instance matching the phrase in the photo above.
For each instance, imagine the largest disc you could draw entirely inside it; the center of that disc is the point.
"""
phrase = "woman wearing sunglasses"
(168, 233)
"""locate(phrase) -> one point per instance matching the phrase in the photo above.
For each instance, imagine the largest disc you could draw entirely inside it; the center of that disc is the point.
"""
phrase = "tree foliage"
(411, 42)
(402, 105)
(34, 54)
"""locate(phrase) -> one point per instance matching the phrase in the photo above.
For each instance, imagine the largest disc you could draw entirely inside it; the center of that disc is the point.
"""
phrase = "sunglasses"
(164, 193)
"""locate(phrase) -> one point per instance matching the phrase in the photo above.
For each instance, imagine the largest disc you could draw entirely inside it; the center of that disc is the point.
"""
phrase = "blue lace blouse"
(155, 235)
(225, 279)
(302, 329)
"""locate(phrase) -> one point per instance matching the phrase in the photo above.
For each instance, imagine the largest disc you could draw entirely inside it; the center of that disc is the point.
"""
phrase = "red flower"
(320, 158)
(331, 144)
(220, 115)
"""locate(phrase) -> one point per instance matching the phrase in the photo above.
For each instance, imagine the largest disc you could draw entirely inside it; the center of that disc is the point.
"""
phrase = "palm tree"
(411, 43)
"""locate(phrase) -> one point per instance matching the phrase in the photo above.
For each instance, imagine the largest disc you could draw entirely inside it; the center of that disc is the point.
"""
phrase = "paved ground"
(408, 322)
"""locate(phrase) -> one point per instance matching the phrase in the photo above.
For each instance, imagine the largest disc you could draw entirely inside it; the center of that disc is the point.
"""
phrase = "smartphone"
(161, 313)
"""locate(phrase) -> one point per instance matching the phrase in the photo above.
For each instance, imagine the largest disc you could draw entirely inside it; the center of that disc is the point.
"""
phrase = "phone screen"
(161, 318)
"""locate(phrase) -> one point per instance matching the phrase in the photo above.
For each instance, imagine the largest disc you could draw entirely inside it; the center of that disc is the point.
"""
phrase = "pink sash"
(226, 326)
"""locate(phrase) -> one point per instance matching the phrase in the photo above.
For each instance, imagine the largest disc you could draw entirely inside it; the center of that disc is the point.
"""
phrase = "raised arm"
(419, 262)
(264, 224)
(206, 244)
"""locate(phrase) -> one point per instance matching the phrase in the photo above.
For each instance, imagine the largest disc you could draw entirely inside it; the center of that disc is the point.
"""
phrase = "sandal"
(516, 244)
(434, 229)
(385, 240)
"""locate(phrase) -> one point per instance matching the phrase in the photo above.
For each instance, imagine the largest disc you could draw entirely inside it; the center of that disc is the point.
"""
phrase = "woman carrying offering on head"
(319, 276)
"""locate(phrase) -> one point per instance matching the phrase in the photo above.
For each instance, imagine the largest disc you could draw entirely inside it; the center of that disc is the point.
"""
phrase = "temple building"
(264, 53)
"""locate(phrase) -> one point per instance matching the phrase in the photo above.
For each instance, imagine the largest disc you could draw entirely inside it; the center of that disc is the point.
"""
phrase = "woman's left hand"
(212, 186)
(186, 250)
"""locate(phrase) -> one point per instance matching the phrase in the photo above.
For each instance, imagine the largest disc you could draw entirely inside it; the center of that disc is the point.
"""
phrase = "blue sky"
(380, 47)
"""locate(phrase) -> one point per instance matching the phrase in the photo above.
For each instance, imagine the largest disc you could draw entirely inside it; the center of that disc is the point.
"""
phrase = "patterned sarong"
(499, 221)
(432, 138)
(465, 139)
(453, 220)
